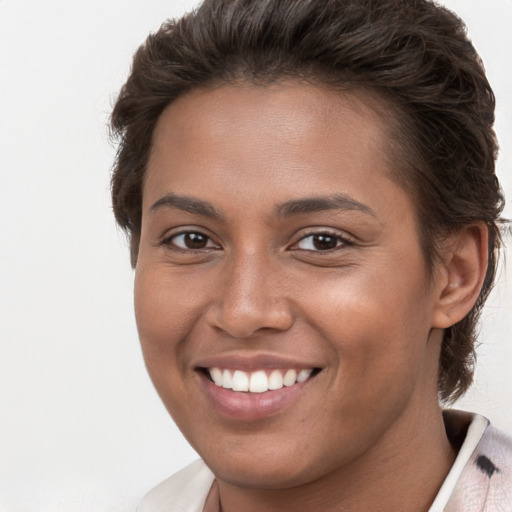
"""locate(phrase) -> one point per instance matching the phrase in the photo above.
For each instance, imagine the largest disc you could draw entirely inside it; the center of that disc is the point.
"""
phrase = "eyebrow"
(187, 204)
(317, 204)
(287, 209)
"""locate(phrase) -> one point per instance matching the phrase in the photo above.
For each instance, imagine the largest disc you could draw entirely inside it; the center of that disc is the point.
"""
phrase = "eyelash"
(169, 240)
(340, 241)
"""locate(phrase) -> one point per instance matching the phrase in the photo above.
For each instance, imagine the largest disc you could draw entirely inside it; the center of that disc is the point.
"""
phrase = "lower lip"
(251, 406)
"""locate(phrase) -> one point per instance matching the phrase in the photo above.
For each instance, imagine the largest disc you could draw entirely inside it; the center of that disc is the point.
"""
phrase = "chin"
(261, 477)
(266, 471)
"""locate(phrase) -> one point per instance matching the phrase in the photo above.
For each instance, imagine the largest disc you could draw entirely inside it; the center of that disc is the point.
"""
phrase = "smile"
(255, 387)
(259, 381)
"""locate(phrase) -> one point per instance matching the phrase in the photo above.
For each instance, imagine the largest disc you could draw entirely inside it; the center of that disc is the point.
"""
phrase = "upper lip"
(252, 362)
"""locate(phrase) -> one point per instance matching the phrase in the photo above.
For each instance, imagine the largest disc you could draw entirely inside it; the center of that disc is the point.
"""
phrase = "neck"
(403, 471)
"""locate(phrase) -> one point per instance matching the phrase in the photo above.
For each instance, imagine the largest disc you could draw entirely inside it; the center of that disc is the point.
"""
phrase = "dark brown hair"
(413, 54)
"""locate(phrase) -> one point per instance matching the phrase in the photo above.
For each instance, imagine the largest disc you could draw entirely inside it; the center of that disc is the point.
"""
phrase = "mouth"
(258, 381)
(251, 388)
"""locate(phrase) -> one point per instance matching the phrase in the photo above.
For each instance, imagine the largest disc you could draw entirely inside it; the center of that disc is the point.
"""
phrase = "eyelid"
(343, 238)
(167, 239)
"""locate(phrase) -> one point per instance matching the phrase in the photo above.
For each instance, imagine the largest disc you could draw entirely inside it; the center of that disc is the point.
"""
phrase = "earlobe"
(462, 272)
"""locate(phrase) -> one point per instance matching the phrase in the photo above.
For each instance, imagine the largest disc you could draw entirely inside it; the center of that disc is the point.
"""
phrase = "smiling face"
(273, 241)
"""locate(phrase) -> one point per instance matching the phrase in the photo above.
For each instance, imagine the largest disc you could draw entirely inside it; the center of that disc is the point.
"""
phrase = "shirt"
(480, 479)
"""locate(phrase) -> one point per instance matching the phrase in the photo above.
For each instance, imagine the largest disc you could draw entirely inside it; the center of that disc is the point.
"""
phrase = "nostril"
(243, 323)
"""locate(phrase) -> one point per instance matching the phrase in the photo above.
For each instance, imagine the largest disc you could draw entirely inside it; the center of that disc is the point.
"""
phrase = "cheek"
(162, 315)
(377, 324)
(164, 319)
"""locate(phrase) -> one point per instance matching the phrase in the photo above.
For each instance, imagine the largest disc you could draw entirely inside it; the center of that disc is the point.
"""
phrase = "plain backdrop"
(81, 428)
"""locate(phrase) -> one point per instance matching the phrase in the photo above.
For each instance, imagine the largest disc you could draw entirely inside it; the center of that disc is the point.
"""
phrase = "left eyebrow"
(322, 203)
(187, 204)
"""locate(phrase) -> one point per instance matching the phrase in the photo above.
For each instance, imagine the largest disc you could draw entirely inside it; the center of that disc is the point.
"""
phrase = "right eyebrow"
(187, 204)
(322, 203)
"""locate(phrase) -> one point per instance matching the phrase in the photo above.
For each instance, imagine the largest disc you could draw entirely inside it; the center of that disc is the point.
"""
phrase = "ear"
(461, 274)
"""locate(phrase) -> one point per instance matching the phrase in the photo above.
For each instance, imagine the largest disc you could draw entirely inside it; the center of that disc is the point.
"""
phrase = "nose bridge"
(250, 296)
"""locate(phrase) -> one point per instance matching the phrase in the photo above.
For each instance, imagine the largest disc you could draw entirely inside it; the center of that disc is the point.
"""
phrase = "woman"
(310, 194)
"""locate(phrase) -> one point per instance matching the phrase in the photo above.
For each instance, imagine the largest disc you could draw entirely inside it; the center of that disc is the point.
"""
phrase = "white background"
(81, 428)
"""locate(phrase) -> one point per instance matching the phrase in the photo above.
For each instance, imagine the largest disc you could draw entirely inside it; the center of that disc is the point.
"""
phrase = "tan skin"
(339, 287)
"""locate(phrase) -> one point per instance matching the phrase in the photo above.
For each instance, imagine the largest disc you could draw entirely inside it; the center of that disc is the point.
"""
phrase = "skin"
(366, 433)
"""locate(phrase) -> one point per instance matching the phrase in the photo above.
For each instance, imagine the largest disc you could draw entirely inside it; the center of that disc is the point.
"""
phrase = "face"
(281, 295)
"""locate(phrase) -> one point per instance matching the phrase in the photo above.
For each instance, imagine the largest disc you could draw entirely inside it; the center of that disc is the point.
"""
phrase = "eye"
(191, 240)
(321, 242)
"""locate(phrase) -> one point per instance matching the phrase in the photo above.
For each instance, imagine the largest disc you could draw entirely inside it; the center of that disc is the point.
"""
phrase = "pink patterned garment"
(485, 484)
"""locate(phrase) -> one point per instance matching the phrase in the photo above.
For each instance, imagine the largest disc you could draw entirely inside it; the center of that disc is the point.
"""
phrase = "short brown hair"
(413, 54)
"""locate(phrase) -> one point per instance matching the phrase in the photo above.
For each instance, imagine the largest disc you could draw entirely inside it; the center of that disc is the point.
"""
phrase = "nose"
(251, 297)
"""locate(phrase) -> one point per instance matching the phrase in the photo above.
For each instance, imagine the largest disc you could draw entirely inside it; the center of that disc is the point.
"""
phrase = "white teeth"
(258, 381)
(227, 381)
(240, 381)
(290, 378)
(304, 375)
(275, 381)
(216, 375)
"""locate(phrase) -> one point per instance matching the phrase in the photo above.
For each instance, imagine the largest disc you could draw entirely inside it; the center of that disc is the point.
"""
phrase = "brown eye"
(324, 242)
(321, 242)
(195, 240)
(192, 240)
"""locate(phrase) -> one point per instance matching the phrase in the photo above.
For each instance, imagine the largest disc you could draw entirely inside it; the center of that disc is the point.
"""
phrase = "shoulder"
(185, 491)
(493, 460)
(486, 482)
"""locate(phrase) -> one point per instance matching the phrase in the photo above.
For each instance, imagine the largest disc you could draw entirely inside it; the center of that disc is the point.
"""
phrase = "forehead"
(287, 137)
(289, 111)
(289, 107)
